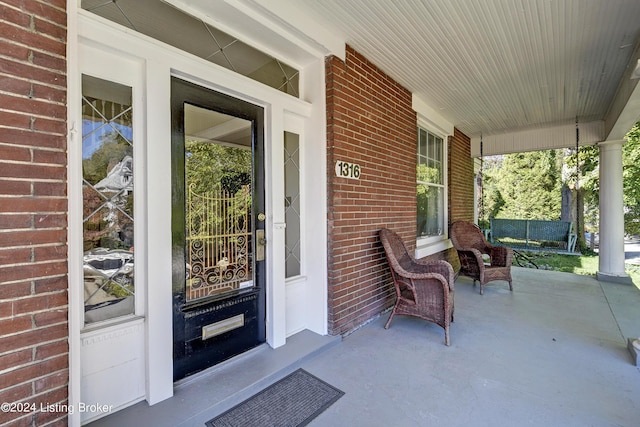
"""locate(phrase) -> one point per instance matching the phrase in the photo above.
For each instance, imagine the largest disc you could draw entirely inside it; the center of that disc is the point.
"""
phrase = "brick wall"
(460, 176)
(370, 122)
(33, 206)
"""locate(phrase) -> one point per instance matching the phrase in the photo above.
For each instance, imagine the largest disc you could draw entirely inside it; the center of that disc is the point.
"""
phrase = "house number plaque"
(347, 170)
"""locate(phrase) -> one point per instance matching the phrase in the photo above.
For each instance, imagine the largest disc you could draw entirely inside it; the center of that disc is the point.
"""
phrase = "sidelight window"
(107, 199)
(292, 203)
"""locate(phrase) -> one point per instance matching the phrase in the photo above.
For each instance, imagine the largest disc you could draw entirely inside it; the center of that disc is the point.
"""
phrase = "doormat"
(293, 401)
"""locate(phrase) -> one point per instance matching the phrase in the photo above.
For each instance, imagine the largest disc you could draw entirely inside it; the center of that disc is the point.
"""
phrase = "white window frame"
(108, 66)
(430, 119)
(429, 240)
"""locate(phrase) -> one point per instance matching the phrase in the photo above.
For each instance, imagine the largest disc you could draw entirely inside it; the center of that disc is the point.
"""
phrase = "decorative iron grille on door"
(218, 241)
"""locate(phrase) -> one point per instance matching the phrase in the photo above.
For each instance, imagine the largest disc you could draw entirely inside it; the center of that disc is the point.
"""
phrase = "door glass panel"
(107, 199)
(292, 203)
(218, 163)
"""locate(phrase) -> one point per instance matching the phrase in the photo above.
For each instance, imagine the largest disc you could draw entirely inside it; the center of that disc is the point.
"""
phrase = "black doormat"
(295, 400)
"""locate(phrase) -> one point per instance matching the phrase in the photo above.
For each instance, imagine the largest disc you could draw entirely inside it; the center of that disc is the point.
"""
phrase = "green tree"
(113, 150)
(631, 180)
(526, 185)
(208, 165)
(529, 184)
(492, 201)
(213, 169)
(580, 180)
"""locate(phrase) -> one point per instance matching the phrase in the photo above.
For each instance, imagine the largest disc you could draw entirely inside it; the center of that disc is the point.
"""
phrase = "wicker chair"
(470, 243)
(424, 289)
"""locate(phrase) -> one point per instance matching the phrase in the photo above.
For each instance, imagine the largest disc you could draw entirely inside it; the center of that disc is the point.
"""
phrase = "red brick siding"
(33, 210)
(460, 177)
(370, 122)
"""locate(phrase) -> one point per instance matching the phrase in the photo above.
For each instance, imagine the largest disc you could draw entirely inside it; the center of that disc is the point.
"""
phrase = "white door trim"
(156, 62)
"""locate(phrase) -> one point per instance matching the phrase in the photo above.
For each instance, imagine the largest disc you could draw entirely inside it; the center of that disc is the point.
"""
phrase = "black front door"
(217, 227)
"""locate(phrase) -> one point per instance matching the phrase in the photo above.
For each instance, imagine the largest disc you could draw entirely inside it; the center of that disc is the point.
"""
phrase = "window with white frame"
(107, 199)
(431, 187)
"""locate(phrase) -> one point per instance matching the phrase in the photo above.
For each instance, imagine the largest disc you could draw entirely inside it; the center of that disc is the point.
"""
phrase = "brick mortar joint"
(33, 15)
(32, 49)
(33, 163)
(36, 295)
(55, 276)
(33, 119)
(31, 113)
(34, 181)
(32, 263)
(31, 97)
(32, 382)
(34, 329)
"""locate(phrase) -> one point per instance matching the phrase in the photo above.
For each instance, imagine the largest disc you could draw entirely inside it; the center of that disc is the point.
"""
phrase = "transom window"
(430, 175)
(163, 22)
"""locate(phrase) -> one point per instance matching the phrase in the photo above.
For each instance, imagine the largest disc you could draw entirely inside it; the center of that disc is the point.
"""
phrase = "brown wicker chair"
(424, 289)
(470, 243)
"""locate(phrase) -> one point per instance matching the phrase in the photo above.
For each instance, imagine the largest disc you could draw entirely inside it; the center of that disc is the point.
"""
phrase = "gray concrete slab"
(552, 353)
(203, 396)
(548, 354)
(624, 301)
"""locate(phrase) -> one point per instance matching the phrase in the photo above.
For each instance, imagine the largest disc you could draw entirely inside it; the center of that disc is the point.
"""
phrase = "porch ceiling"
(519, 73)
(496, 66)
(492, 67)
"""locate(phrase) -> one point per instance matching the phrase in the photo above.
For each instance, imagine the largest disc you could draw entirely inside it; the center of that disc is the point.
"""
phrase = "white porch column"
(611, 267)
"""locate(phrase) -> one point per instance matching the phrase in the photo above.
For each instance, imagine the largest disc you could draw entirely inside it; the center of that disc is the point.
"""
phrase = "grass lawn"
(584, 264)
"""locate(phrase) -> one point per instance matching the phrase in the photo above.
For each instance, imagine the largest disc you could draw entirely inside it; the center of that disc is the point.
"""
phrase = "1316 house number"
(347, 170)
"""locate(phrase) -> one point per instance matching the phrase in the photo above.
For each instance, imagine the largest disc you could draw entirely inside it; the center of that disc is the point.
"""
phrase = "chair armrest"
(438, 266)
(472, 254)
(432, 270)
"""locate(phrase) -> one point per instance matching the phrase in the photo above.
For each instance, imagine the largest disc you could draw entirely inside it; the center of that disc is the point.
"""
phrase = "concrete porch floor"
(552, 353)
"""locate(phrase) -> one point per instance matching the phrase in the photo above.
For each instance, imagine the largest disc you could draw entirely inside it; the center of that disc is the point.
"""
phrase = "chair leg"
(510, 286)
(393, 312)
(481, 288)
(447, 341)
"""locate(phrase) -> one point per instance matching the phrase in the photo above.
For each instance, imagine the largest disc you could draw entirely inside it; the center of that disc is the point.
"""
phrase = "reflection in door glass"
(218, 203)
(107, 199)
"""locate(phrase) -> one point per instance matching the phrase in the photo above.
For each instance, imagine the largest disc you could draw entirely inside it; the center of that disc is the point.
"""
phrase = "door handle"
(261, 243)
